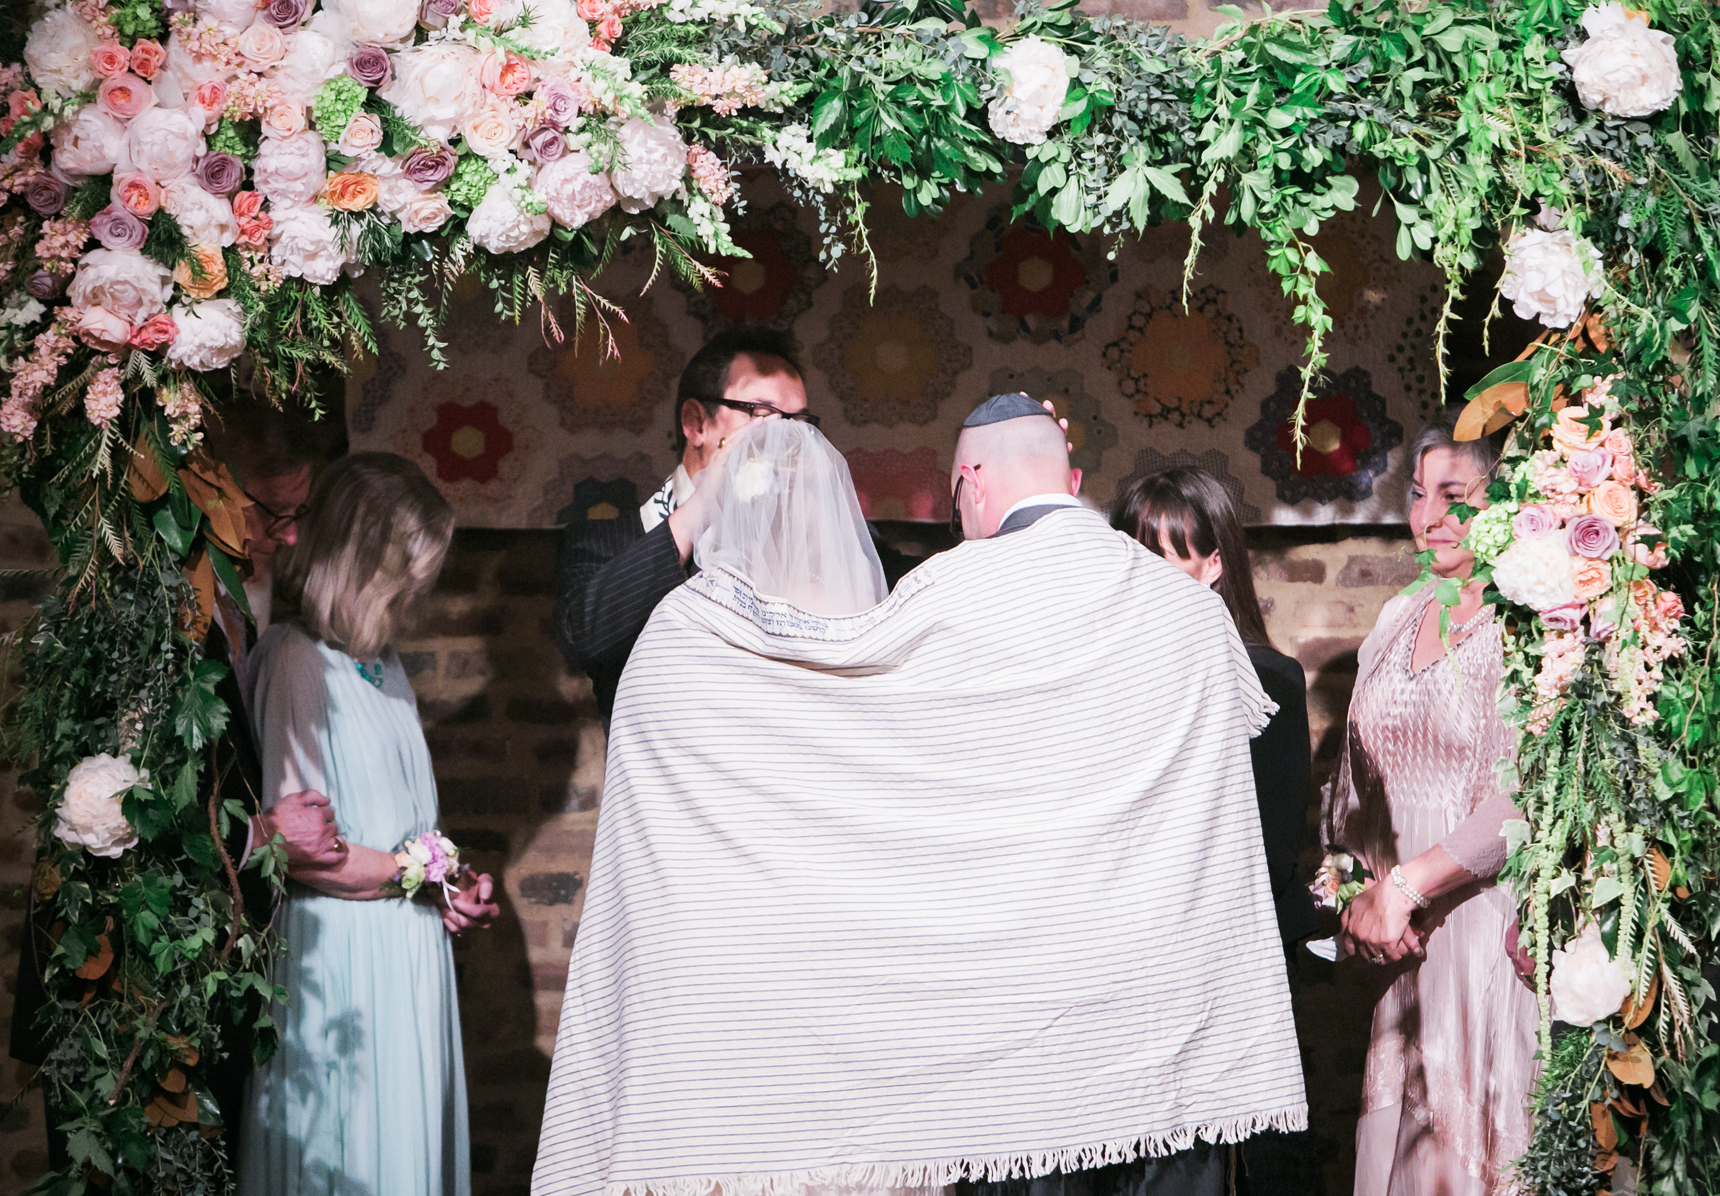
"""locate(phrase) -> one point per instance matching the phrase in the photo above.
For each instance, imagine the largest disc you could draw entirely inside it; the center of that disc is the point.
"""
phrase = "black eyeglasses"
(761, 410)
(277, 521)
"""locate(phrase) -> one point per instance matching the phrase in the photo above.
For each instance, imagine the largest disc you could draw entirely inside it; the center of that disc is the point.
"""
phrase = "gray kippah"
(1001, 407)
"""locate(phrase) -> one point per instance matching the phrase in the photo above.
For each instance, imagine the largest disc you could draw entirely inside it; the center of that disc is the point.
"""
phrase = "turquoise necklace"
(370, 672)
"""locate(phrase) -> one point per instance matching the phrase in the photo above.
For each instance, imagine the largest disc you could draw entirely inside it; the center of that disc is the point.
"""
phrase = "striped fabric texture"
(969, 885)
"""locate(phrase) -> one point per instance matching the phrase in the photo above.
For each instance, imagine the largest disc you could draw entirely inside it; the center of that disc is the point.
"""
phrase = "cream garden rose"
(1587, 984)
(90, 815)
(1549, 276)
(1036, 75)
(1624, 68)
(164, 142)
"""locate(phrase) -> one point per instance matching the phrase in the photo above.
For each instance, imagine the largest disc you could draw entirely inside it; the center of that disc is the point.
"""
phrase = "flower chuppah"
(188, 188)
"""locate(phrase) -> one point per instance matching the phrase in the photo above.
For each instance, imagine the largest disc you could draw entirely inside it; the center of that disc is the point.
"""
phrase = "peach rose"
(247, 204)
(351, 191)
(1593, 578)
(592, 10)
(262, 46)
(1570, 433)
(101, 329)
(1614, 502)
(154, 332)
(211, 99)
(489, 131)
(283, 118)
(109, 59)
(125, 96)
(137, 193)
(505, 74)
(1668, 609)
(147, 58)
(482, 11)
(211, 274)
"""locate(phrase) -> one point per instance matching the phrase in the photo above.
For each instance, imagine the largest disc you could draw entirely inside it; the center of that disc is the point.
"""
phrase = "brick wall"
(519, 761)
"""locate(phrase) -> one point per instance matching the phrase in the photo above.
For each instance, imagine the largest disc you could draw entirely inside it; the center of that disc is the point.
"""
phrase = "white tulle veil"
(787, 519)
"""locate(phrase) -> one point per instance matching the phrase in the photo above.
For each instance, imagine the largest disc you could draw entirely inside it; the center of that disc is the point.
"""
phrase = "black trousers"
(1198, 1171)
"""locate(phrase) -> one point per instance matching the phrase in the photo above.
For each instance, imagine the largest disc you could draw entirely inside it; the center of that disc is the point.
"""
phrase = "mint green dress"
(367, 1093)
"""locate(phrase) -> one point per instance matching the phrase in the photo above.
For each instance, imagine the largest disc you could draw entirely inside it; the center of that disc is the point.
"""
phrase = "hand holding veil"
(784, 515)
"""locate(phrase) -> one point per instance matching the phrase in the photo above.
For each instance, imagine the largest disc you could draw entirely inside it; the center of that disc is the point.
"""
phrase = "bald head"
(1002, 463)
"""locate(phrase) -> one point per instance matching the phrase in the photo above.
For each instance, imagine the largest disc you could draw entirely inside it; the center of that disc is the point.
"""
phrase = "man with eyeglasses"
(614, 572)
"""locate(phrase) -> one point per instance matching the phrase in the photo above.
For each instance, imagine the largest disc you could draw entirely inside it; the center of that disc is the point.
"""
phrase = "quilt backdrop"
(521, 432)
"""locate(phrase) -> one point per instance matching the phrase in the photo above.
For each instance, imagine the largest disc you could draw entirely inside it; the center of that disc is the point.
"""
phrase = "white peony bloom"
(1549, 276)
(90, 143)
(655, 160)
(58, 53)
(207, 219)
(1038, 81)
(1586, 984)
(90, 815)
(574, 194)
(556, 30)
(435, 86)
(307, 245)
(126, 283)
(499, 225)
(313, 58)
(379, 22)
(1536, 572)
(291, 169)
(211, 334)
(1624, 68)
(164, 143)
(232, 15)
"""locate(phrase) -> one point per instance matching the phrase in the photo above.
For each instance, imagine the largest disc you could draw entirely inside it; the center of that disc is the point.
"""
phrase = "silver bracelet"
(1404, 887)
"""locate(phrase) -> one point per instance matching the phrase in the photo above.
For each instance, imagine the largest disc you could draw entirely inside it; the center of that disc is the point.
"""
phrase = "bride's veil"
(787, 519)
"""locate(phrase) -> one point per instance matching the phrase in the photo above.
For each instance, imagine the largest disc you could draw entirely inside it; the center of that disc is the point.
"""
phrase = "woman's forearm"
(1433, 873)
(357, 877)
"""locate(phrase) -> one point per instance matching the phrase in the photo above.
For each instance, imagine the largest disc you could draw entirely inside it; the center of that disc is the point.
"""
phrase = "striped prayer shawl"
(968, 885)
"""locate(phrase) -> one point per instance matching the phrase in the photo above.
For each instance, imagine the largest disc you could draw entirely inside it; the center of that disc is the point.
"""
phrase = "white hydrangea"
(795, 153)
(1550, 275)
(1536, 573)
(653, 163)
(90, 815)
(1031, 100)
(499, 224)
(1587, 984)
(1624, 68)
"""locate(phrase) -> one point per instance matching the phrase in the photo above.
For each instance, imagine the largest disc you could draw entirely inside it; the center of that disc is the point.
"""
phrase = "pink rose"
(283, 118)
(211, 99)
(147, 58)
(1590, 467)
(247, 204)
(262, 46)
(609, 28)
(1624, 468)
(1566, 617)
(1591, 536)
(1535, 520)
(109, 59)
(125, 96)
(137, 193)
(101, 329)
(482, 11)
(505, 74)
(254, 231)
(1618, 443)
(425, 212)
(154, 332)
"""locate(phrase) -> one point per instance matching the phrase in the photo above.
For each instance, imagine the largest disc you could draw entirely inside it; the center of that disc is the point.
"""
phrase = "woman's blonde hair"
(369, 547)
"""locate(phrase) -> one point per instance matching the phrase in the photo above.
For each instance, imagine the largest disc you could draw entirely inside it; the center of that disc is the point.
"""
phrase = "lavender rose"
(1593, 537)
(428, 166)
(442, 8)
(369, 65)
(1566, 617)
(1590, 467)
(118, 229)
(546, 143)
(220, 174)
(561, 103)
(285, 14)
(42, 285)
(1535, 520)
(45, 193)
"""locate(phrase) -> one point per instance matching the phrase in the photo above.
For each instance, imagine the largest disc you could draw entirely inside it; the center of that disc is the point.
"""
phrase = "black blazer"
(610, 576)
(1283, 785)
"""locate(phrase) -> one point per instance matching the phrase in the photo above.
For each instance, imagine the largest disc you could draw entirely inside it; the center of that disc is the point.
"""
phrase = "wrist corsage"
(1340, 879)
(430, 858)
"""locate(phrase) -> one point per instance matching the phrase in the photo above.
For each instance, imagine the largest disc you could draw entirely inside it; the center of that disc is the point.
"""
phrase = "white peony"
(435, 86)
(499, 225)
(231, 15)
(307, 245)
(1536, 573)
(1549, 276)
(58, 53)
(90, 143)
(1038, 80)
(131, 286)
(1587, 984)
(575, 195)
(1624, 68)
(164, 142)
(90, 815)
(556, 30)
(187, 69)
(379, 22)
(291, 169)
(211, 334)
(655, 160)
(207, 219)
(313, 58)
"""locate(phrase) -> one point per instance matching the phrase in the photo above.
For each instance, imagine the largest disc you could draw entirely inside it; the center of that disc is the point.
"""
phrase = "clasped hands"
(1377, 925)
(311, 836)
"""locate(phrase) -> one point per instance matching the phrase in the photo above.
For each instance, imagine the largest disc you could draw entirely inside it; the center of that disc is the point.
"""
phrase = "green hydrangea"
(336, 102)
(472, 179)
(230, 138)
(1490, 531)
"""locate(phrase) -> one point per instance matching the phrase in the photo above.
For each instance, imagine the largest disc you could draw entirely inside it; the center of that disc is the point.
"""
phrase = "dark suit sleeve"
(1283, 786)
(610, 577)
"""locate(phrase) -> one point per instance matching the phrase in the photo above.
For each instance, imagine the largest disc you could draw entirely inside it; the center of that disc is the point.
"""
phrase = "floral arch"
(186, 186)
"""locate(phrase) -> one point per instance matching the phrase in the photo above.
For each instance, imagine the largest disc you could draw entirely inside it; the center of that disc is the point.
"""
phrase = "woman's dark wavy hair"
(1198, 519)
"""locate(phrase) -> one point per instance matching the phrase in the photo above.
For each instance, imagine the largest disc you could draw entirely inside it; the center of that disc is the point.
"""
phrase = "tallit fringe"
(934, 1175)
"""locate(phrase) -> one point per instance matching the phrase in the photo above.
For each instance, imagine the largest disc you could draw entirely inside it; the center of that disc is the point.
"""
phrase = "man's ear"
(1212, 570)
(1074, 482)
(693, 420)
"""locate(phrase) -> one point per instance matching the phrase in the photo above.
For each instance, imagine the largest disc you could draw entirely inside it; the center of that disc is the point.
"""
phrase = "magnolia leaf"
(1606, 1133)
(228, 572)
(1632, 1066)
(173, 533)
(147, 481)
(95, 966)
(1636, 1012)
(198, 571)
(218, 495)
